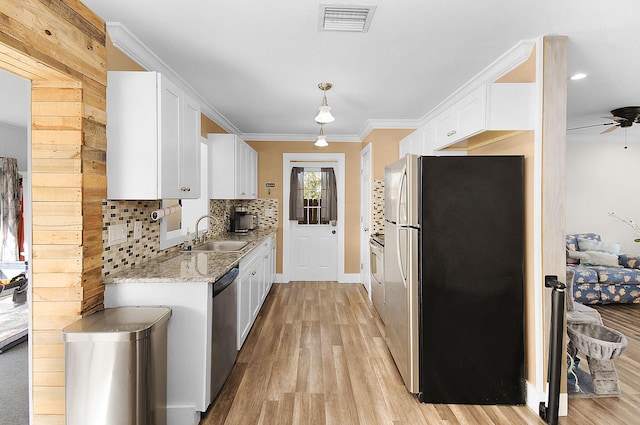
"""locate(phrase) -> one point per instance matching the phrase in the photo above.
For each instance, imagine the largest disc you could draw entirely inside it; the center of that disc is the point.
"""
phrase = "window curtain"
(329, 196)
(296, 194)
(10, 206)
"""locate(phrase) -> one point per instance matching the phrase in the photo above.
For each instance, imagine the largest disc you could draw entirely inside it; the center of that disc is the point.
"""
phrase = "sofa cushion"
(629, 261)
(594, 245)
(617, 276)
(571, 243)
(584, 274)
(586, 293)
(620, 294)
(597, 258)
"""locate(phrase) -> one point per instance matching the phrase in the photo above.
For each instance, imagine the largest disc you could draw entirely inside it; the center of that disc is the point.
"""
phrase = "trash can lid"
(116, 324)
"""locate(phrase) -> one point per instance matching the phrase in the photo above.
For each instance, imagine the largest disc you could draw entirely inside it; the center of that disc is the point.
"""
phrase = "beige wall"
(118, 61)
(207, 125)
(270, 171)
(385, 145)
(522, 144)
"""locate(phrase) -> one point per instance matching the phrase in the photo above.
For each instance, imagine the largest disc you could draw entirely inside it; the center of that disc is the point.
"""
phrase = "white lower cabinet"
(257, 274)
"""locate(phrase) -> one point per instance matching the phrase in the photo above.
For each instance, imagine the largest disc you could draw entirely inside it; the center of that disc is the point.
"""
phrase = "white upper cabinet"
(233, 168)
(490, 107)
(153, 138)
(419, 142)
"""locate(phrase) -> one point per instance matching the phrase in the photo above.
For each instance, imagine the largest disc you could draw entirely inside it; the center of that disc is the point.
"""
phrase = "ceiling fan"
(622, 117)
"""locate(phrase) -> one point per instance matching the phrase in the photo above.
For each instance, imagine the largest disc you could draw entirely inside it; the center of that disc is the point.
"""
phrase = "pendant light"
(321, 142)
(324, 115)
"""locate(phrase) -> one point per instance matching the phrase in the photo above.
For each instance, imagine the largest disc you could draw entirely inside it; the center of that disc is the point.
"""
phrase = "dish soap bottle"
(186, 246)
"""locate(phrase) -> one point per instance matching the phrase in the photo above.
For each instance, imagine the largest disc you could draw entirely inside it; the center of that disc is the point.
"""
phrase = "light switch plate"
(137, 230)
(117, 234)
(268, 212)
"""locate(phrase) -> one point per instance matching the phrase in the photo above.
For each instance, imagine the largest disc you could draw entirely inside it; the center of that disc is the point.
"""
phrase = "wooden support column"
(63, 53)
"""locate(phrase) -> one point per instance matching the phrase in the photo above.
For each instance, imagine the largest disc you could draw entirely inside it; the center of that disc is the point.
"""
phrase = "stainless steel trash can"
(116, 367)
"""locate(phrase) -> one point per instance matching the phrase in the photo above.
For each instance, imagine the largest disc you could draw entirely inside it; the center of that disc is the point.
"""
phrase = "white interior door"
(314, 243)
(314, 252)
(365, 216)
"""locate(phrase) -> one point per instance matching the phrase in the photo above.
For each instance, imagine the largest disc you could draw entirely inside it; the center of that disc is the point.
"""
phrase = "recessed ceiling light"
(578, 76)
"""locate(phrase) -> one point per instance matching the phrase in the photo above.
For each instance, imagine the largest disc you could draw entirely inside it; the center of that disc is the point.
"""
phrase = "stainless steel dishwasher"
(225, 329)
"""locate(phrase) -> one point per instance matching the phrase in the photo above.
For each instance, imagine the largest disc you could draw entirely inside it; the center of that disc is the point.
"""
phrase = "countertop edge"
(190, 267)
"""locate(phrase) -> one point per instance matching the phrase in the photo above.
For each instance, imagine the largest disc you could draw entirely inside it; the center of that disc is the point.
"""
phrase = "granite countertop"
(193, 266)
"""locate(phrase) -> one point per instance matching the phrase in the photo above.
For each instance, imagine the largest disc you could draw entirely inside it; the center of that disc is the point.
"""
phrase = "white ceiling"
(258, 62)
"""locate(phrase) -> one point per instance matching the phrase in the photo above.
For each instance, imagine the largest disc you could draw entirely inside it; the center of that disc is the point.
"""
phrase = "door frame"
(365, 222)
(287, 160)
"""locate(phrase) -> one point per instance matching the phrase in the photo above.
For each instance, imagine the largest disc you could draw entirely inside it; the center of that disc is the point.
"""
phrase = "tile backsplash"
(222, 208)
(127, 254)
(377, 210)
(134, 251)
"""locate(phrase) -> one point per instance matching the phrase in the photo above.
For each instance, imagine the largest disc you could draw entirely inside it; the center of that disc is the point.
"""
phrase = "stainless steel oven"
(376, 247)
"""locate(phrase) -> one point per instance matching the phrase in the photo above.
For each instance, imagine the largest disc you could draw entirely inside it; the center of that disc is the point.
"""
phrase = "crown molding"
(505, 63)
(270, 137)
(371, 125)
(367, 127)
(133, 47)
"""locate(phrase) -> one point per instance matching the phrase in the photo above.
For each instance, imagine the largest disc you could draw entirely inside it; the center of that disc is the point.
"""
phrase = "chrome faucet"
(198, 239)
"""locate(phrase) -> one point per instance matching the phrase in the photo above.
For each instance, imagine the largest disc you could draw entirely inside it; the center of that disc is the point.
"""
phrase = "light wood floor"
(316, 355)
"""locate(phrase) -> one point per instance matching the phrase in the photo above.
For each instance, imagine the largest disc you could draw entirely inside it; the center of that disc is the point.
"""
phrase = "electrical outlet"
(137, 230)
(268, 212)
(117, 234)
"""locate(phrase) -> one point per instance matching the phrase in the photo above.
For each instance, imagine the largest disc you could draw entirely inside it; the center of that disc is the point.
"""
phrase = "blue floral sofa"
(601, 274)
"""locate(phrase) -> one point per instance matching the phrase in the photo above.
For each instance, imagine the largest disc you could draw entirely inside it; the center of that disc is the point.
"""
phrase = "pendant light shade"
(324, 115)
(321, 142)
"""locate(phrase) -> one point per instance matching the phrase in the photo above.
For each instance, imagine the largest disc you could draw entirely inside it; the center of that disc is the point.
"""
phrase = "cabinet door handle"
(253, 274)
(451, 133)
(185, 189)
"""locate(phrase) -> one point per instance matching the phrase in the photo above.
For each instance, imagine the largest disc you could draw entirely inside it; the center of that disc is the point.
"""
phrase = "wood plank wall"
(60, 46)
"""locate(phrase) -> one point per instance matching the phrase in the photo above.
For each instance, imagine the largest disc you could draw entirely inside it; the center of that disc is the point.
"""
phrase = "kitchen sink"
(225, 246)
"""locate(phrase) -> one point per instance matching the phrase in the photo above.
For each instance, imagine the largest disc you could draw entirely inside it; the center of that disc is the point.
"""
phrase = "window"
(313, 196)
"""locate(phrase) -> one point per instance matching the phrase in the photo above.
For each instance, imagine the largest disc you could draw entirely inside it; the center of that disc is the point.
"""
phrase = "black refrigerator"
(456, 279)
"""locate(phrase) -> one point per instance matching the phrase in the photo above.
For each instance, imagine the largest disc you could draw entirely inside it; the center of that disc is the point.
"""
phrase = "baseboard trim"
(343, 278)
(186, 415)
(349, 278)
(535, 397)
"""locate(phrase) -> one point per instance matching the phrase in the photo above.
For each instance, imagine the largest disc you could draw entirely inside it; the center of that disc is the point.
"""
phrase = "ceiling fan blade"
(610, 129)
(614, 118)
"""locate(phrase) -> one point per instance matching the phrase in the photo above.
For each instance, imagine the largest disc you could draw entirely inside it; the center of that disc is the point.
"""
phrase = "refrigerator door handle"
(402, 191)
(403, 273)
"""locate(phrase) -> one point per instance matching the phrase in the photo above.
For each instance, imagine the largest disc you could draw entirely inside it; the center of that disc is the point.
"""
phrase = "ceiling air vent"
(345, 18)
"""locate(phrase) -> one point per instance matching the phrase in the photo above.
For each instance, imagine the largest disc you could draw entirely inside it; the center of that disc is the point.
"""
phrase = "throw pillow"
(577, 255)
(594, 245)
(598, 258)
